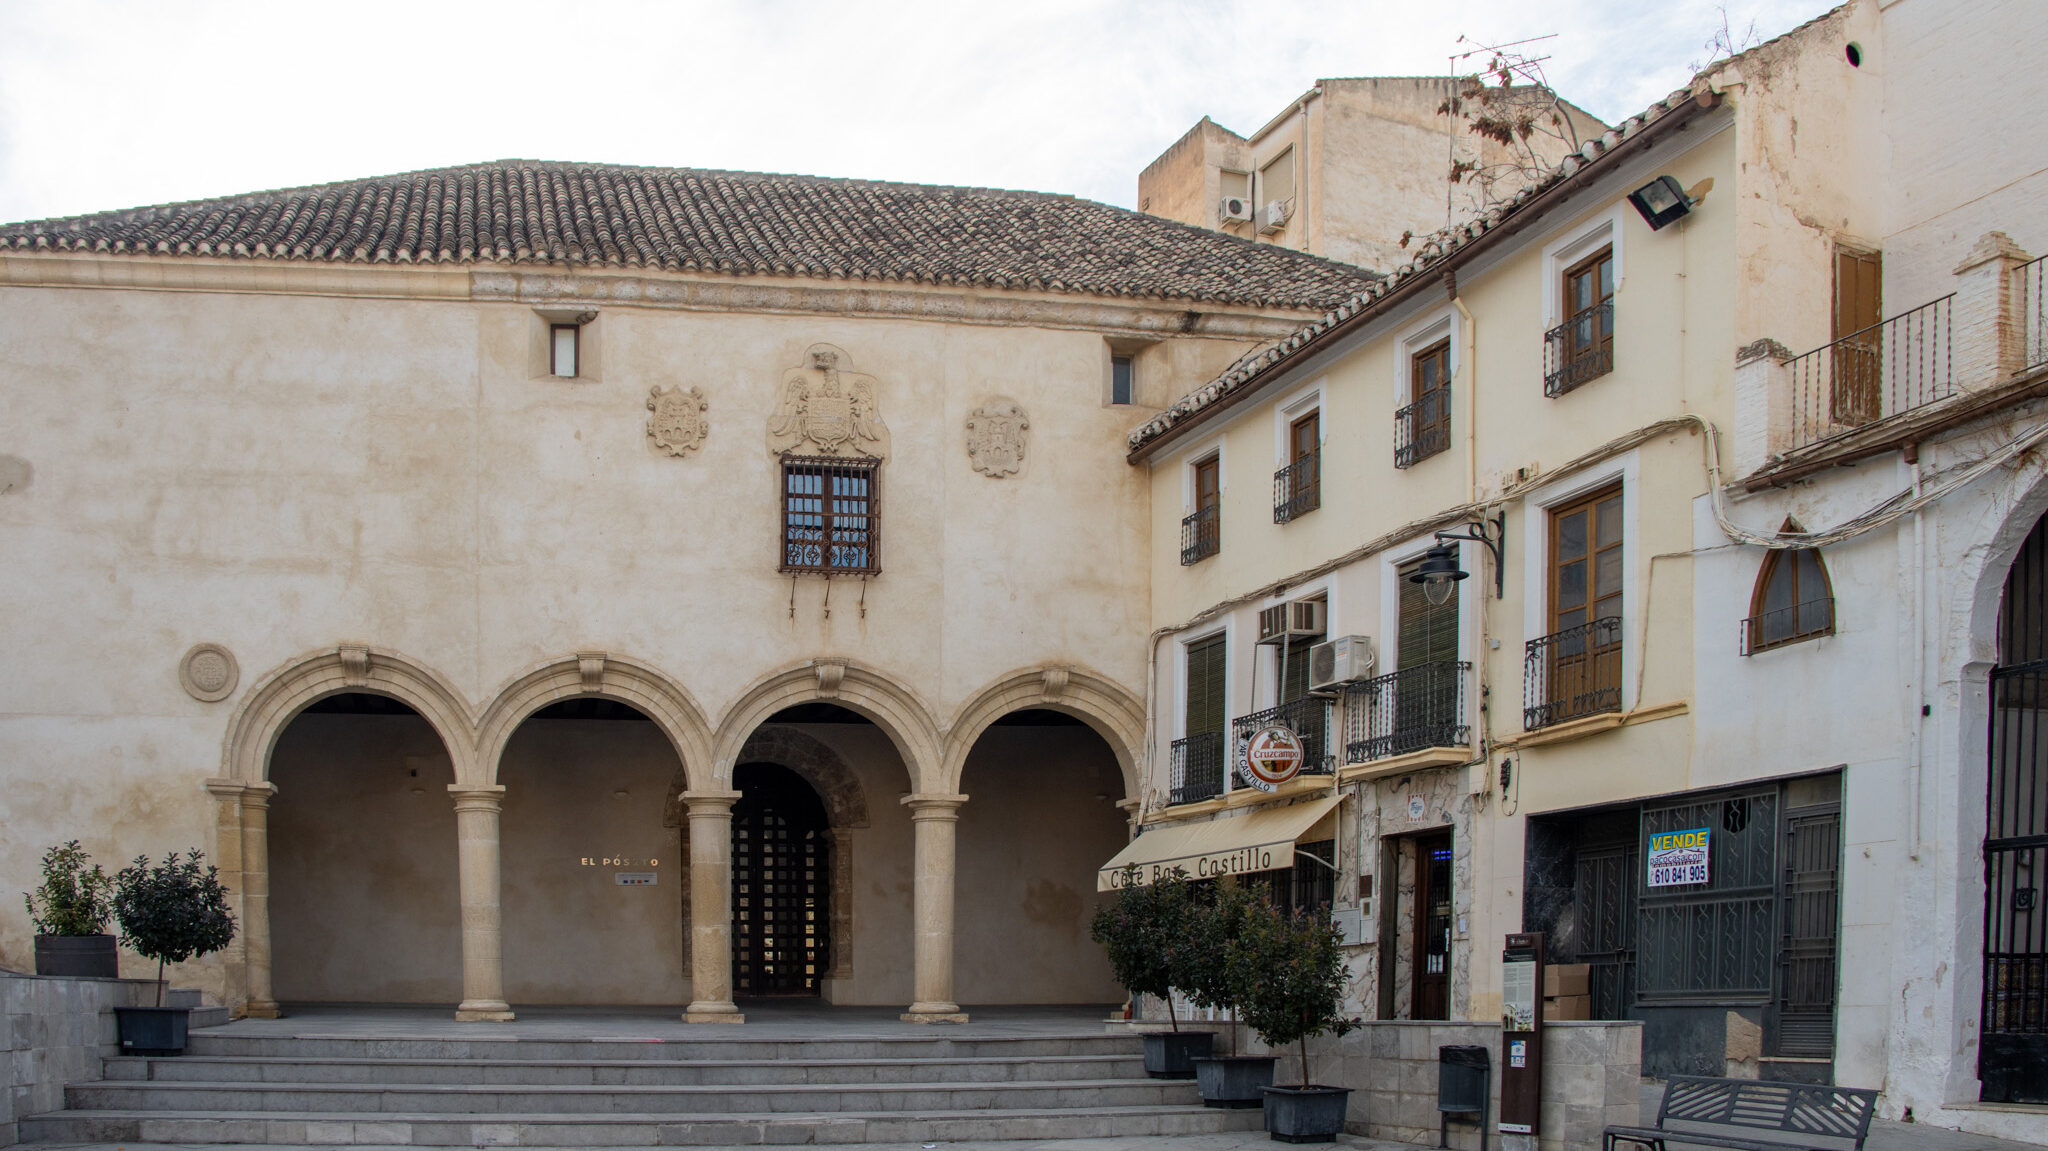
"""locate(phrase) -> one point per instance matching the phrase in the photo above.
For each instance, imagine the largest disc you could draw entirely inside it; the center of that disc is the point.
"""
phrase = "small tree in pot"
(170, 912)
(1292, 970)
(1202, 960)
(1139, 931)
(70, 911)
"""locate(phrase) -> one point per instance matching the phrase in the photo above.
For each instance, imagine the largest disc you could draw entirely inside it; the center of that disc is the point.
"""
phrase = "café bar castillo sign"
(1271, 756)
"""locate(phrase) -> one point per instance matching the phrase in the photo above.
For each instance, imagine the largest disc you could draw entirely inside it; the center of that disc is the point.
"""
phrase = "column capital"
(933, 805)
(710, 803)
(224, 788)
(477, 796)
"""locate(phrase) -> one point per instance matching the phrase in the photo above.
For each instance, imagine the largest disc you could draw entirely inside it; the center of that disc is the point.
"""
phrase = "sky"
(109, 104)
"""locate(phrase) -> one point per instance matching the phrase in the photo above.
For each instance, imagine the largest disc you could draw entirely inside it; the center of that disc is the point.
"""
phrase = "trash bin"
(1462, 1074)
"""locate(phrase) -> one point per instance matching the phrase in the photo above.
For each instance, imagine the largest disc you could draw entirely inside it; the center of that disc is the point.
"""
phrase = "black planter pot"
(1234, 1080)
(1306, 1114)
(1172, 1054)
(91, 956)
(153, 1030)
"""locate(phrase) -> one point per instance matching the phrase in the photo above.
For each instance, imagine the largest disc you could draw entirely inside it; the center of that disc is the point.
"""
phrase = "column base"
(934, 1013)
(713, 1013)
(262, 1009)
(483, 1011)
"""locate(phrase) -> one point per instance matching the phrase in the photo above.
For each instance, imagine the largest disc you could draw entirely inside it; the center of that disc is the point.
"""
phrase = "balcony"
(1786, 625)
(1578, 350)
(1886, 369)
(1423, 428)
(1298, 488)
(1406, 711)
(1308, 718)
(1201, 535)
(2033, 317)
(1572, 674)
(1197, 768)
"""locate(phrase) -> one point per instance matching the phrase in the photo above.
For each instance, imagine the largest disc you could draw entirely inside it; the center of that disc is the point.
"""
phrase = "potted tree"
(1292, 972)
(70, 911)
(169, 912)
(1138, 932)
(1204, 966)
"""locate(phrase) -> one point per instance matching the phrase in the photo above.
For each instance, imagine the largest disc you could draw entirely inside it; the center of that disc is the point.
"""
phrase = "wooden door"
(1432, 932)
(1856, 393)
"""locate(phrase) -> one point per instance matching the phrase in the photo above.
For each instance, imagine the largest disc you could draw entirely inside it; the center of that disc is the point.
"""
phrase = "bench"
(1694, 1105)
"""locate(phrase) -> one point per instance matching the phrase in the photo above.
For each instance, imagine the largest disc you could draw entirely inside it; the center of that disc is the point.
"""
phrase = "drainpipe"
(1301, 173)
(1915, 768)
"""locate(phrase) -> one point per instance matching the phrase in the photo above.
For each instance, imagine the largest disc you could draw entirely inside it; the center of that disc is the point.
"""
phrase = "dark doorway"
(1432, 942)
(2013, 1061)
(781, 884)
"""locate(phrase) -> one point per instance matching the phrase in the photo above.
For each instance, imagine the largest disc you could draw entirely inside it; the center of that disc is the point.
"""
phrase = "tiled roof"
(1432, 252)
(524, 212)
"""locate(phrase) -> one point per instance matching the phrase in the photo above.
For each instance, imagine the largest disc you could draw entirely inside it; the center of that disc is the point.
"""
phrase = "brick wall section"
(54, 1031)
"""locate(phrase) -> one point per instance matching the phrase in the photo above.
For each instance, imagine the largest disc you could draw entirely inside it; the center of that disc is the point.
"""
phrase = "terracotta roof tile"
(738, 223)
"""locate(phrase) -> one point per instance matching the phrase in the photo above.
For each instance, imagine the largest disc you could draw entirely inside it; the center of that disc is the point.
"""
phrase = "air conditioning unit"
(1274, 216)
(1339, 662)
(1234, 210)
(1302, 619)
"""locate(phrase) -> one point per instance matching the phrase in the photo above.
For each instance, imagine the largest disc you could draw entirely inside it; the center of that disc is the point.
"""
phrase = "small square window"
(831, 521)
(563, 340)
(1120, 379)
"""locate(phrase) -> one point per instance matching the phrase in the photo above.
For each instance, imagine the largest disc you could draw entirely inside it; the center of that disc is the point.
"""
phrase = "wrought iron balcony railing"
(1572, 674)
(1785, 625)
(2033, 322)
(1298, 488)
(1408, 710)
(1580, 349)
(1423, 428)
(1197, 767)
(1201, 535)
(1308, 718)
(1883, 370)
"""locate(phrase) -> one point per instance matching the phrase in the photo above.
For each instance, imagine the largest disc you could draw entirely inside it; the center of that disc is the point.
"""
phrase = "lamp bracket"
(1493, 534)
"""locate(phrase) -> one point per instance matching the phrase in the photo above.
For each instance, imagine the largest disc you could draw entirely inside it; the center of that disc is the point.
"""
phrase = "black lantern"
(1661, 201)
(1439, 572)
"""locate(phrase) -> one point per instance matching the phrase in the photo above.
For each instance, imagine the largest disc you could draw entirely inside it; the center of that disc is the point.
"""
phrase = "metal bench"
(1694, 1105)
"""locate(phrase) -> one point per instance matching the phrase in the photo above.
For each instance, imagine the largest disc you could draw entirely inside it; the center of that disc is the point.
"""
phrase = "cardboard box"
(1567, 979)
(1565, 1008)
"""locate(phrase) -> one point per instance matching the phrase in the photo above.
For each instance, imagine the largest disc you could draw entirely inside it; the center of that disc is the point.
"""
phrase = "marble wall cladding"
(1393, 811)
(55, 1030)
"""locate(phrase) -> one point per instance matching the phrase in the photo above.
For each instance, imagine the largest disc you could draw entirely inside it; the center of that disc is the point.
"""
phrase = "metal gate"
(1809, 908)
(780, 885)
(1606, 891)
(2013, 1059)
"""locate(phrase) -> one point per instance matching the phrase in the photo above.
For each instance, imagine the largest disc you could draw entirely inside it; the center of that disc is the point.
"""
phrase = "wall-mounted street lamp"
(1662, 200)
(1439, 571)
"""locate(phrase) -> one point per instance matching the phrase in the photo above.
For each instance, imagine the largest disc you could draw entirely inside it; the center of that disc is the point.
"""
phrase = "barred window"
(831, 521)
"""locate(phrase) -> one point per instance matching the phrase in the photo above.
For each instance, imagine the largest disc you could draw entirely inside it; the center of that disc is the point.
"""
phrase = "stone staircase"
(536, 1092)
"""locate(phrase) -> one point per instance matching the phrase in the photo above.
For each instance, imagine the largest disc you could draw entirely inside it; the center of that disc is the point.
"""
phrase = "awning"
(1261, 841)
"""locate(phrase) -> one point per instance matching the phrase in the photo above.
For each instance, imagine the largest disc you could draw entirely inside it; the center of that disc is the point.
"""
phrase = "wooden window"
(1793, 601)
(1586, 561)
(1120, 379)
(1207, 660)
(1208, 493)
(1304, 437)
(831, 521)
(1855, 394)
(1298, 487)
(1589, 313)
(563, 341)
(1201, 534)
(1423, 428)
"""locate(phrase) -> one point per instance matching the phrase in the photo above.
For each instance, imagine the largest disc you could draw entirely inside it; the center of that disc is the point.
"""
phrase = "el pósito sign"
(1272, 756)
(1679, 858)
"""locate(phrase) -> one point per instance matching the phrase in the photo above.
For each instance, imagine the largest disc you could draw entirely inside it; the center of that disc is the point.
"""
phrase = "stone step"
(603, 1048)
(629, 1130)
(202, 1015)
(514, 1100)
(621, 1072)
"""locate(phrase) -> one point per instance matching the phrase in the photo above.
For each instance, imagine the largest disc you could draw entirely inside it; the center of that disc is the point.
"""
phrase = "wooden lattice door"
(781, 871)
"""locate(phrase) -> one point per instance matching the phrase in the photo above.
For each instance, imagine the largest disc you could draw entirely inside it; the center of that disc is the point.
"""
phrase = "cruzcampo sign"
(1272, 756)
(1679, 858)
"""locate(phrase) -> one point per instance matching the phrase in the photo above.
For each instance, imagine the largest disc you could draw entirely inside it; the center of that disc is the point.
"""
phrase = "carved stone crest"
(678, 424)
(995, 437)
(208, 672)
(827, 409)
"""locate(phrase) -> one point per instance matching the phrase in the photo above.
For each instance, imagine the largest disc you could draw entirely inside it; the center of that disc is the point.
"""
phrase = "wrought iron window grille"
(1308, 718)
(1788, 625)
(831, 516)
(1298, 488)
(1406, 711)
(1884, 370)
(1201, 535)
(1578, 350)
(1423, 428)
(1572, 674)
(1197, 768)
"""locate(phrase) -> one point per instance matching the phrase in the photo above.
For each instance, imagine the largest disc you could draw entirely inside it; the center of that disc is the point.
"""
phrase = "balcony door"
(1425, 660)
(1584, 665)
(1857, 392)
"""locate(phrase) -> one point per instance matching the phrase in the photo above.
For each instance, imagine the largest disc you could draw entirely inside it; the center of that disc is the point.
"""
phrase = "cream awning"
(1261, 841)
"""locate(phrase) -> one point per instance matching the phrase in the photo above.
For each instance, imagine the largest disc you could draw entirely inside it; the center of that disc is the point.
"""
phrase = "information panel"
(1679, 858)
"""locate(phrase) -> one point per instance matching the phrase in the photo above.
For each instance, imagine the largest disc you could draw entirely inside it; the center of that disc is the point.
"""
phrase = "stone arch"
(654, 695)
(288, 690)
(895, 709)
(1115, 714)
(846, 805)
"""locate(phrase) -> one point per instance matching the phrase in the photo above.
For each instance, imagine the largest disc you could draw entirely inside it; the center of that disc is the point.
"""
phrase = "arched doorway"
(781, 884)
(2013, 1058)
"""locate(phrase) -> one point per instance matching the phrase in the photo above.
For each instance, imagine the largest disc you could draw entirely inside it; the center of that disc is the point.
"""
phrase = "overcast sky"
(119, 103)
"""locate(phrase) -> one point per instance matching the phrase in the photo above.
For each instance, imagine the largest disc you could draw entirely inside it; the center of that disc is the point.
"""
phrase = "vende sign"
(1272, 756)
(1679, 858)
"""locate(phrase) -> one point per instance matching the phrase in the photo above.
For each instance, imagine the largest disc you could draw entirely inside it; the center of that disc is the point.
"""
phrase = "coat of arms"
(995, 437)
(678, 422)
(830, 407)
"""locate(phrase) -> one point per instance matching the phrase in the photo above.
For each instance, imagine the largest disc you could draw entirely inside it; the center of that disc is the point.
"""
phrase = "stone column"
(483, 942)
(1989, 338)
(934, 817)
(711, 908)
(256, 898)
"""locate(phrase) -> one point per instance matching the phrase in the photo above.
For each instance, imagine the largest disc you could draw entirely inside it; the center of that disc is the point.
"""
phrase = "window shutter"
(1205, 686)
(1429, 632)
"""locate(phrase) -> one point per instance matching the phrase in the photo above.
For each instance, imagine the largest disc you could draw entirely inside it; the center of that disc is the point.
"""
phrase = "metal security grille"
(1715, 939)
(2013, 1059)
(1805, 1024)
(1572, 674)
(1310, 884)
(831, 520)
(1606, 891)
(780, 892)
